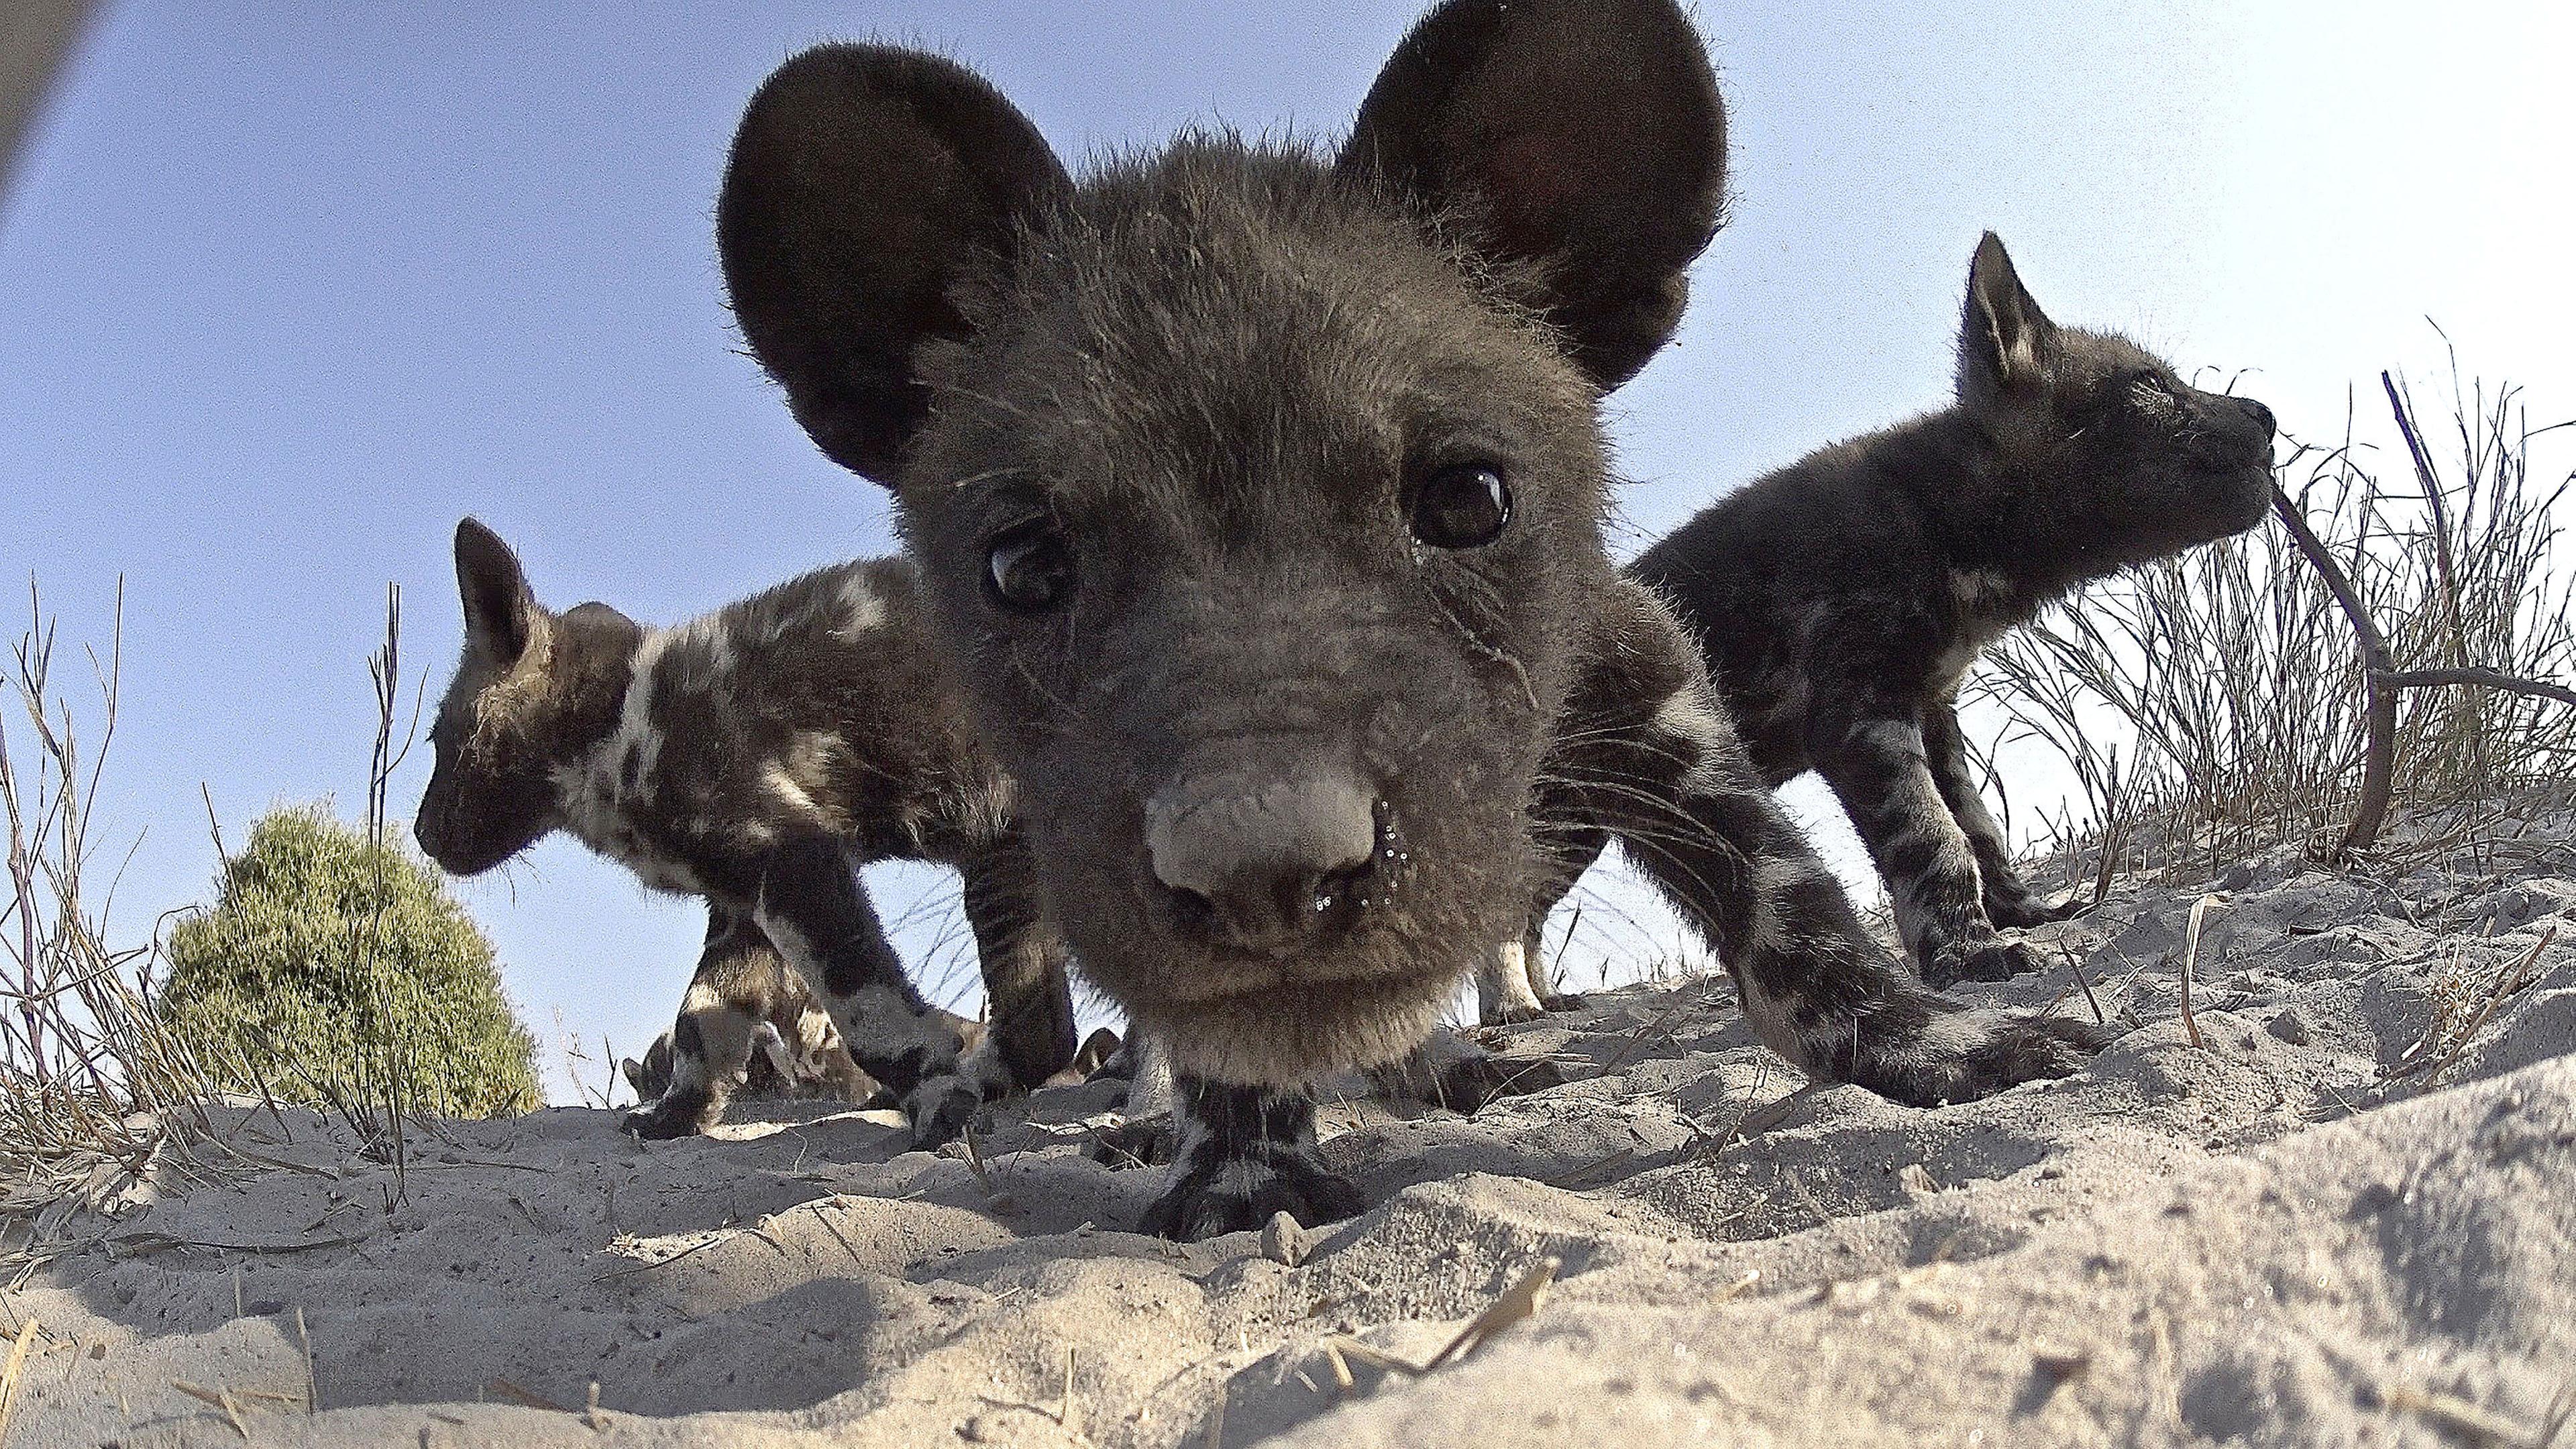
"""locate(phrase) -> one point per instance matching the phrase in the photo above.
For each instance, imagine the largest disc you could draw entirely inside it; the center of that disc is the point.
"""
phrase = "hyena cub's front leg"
(1872, 751)
(1026, 967)
(1655, 759)
(711, 1043)
(1244, 1153)
(2008, 900)
(813, 907)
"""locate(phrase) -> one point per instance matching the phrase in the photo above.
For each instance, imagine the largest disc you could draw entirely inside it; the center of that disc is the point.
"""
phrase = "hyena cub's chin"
(1260, 490)
(755, 758)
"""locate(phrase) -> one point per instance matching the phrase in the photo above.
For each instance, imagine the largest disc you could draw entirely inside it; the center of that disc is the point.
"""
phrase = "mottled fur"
(1840, 600)
(1260, 494)
(755, 758)
(796, 1052)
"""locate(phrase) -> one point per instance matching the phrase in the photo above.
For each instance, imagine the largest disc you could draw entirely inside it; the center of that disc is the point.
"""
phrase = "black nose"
(1262, 865)
(2261, 415)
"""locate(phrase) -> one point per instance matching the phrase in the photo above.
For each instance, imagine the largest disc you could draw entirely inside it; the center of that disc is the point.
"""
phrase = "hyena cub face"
(1260, 489)
(533, 693)
(2121, 461)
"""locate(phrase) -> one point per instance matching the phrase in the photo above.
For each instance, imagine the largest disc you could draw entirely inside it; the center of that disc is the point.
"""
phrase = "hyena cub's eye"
(1028, 568)
(1464, 505)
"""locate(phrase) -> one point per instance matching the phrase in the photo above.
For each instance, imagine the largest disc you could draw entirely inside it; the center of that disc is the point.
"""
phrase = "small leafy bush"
(330, 971)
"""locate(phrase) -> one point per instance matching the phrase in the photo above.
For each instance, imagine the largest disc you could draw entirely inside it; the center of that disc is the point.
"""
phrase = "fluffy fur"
(1260, 494)
(755, 758)
(1840, 600)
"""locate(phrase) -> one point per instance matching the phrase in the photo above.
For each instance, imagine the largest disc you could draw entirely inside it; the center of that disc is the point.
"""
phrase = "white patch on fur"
(1690, 716)
(1503, 983)
(1773, 877)
(782, 784)
(985, 1069)
(1957, 1033)
(1895, 736)
(880, 1017)
(861, 609)
(766, 1042)
(598, 805)
(1150, 1094)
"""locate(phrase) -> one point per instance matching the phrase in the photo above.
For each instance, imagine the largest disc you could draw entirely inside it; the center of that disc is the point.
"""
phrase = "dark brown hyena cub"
(756, 758)
(1259, 492)
(1841, 599)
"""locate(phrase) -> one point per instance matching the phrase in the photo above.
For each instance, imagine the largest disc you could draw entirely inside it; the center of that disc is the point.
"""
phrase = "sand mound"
(2345, 1216)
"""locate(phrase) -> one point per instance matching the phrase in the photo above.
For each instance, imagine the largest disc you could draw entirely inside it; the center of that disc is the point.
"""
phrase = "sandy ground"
(2347, 1216)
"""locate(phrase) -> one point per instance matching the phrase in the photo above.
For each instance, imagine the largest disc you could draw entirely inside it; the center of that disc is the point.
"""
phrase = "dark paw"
(1195, 1209)
(940, 1110)
(672, 1116)
(1511, 1014)
(1144, 1142)
(1561, 1001)
(2028, 910)
(1988, 960)
(1959, 1056)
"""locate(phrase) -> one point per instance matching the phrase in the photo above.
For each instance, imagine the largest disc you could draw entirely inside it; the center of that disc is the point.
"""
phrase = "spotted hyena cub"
(1841, 599)
(756, 758)
(1258, 489)
(795, 1051)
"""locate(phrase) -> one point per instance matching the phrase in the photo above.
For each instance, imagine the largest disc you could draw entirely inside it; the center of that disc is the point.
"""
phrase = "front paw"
(940, 1110)
(2022, 911)
(674, 1114)
(1990, 959)
(1961, 1054)
(1213, 1197)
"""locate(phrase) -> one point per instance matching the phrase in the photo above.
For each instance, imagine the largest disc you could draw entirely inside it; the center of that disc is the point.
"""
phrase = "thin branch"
(2477, 676)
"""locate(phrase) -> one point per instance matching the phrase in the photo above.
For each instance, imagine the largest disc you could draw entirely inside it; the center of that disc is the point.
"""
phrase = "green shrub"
(327, 967)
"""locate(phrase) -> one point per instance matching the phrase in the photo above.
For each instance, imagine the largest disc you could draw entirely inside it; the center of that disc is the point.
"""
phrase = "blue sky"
(285, 288)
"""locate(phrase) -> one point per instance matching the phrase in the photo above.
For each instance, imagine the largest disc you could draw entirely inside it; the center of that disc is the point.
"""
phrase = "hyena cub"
(795, 1051)
(756, 758)
(1259, 492)
(1841, 599)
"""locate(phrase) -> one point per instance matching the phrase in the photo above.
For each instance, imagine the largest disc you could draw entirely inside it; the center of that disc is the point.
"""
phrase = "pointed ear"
(501, 614)
(864, 180)
(2004, 339)
(1585, 136)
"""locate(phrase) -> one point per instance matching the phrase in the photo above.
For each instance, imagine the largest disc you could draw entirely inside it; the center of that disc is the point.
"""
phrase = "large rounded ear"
(501, 613)
(2005, 341)
(1586, 136)
(863, 180)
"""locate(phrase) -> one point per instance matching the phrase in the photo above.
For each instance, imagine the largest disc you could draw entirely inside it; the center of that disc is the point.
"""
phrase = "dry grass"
(2213, 705)
(94, 1095)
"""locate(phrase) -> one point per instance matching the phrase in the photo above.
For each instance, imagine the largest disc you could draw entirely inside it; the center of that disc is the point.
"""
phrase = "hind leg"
(813, 907)
(2009, 901)
(1660, 764)
(711, 1042)
(1511, 980)
(1872, 751)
